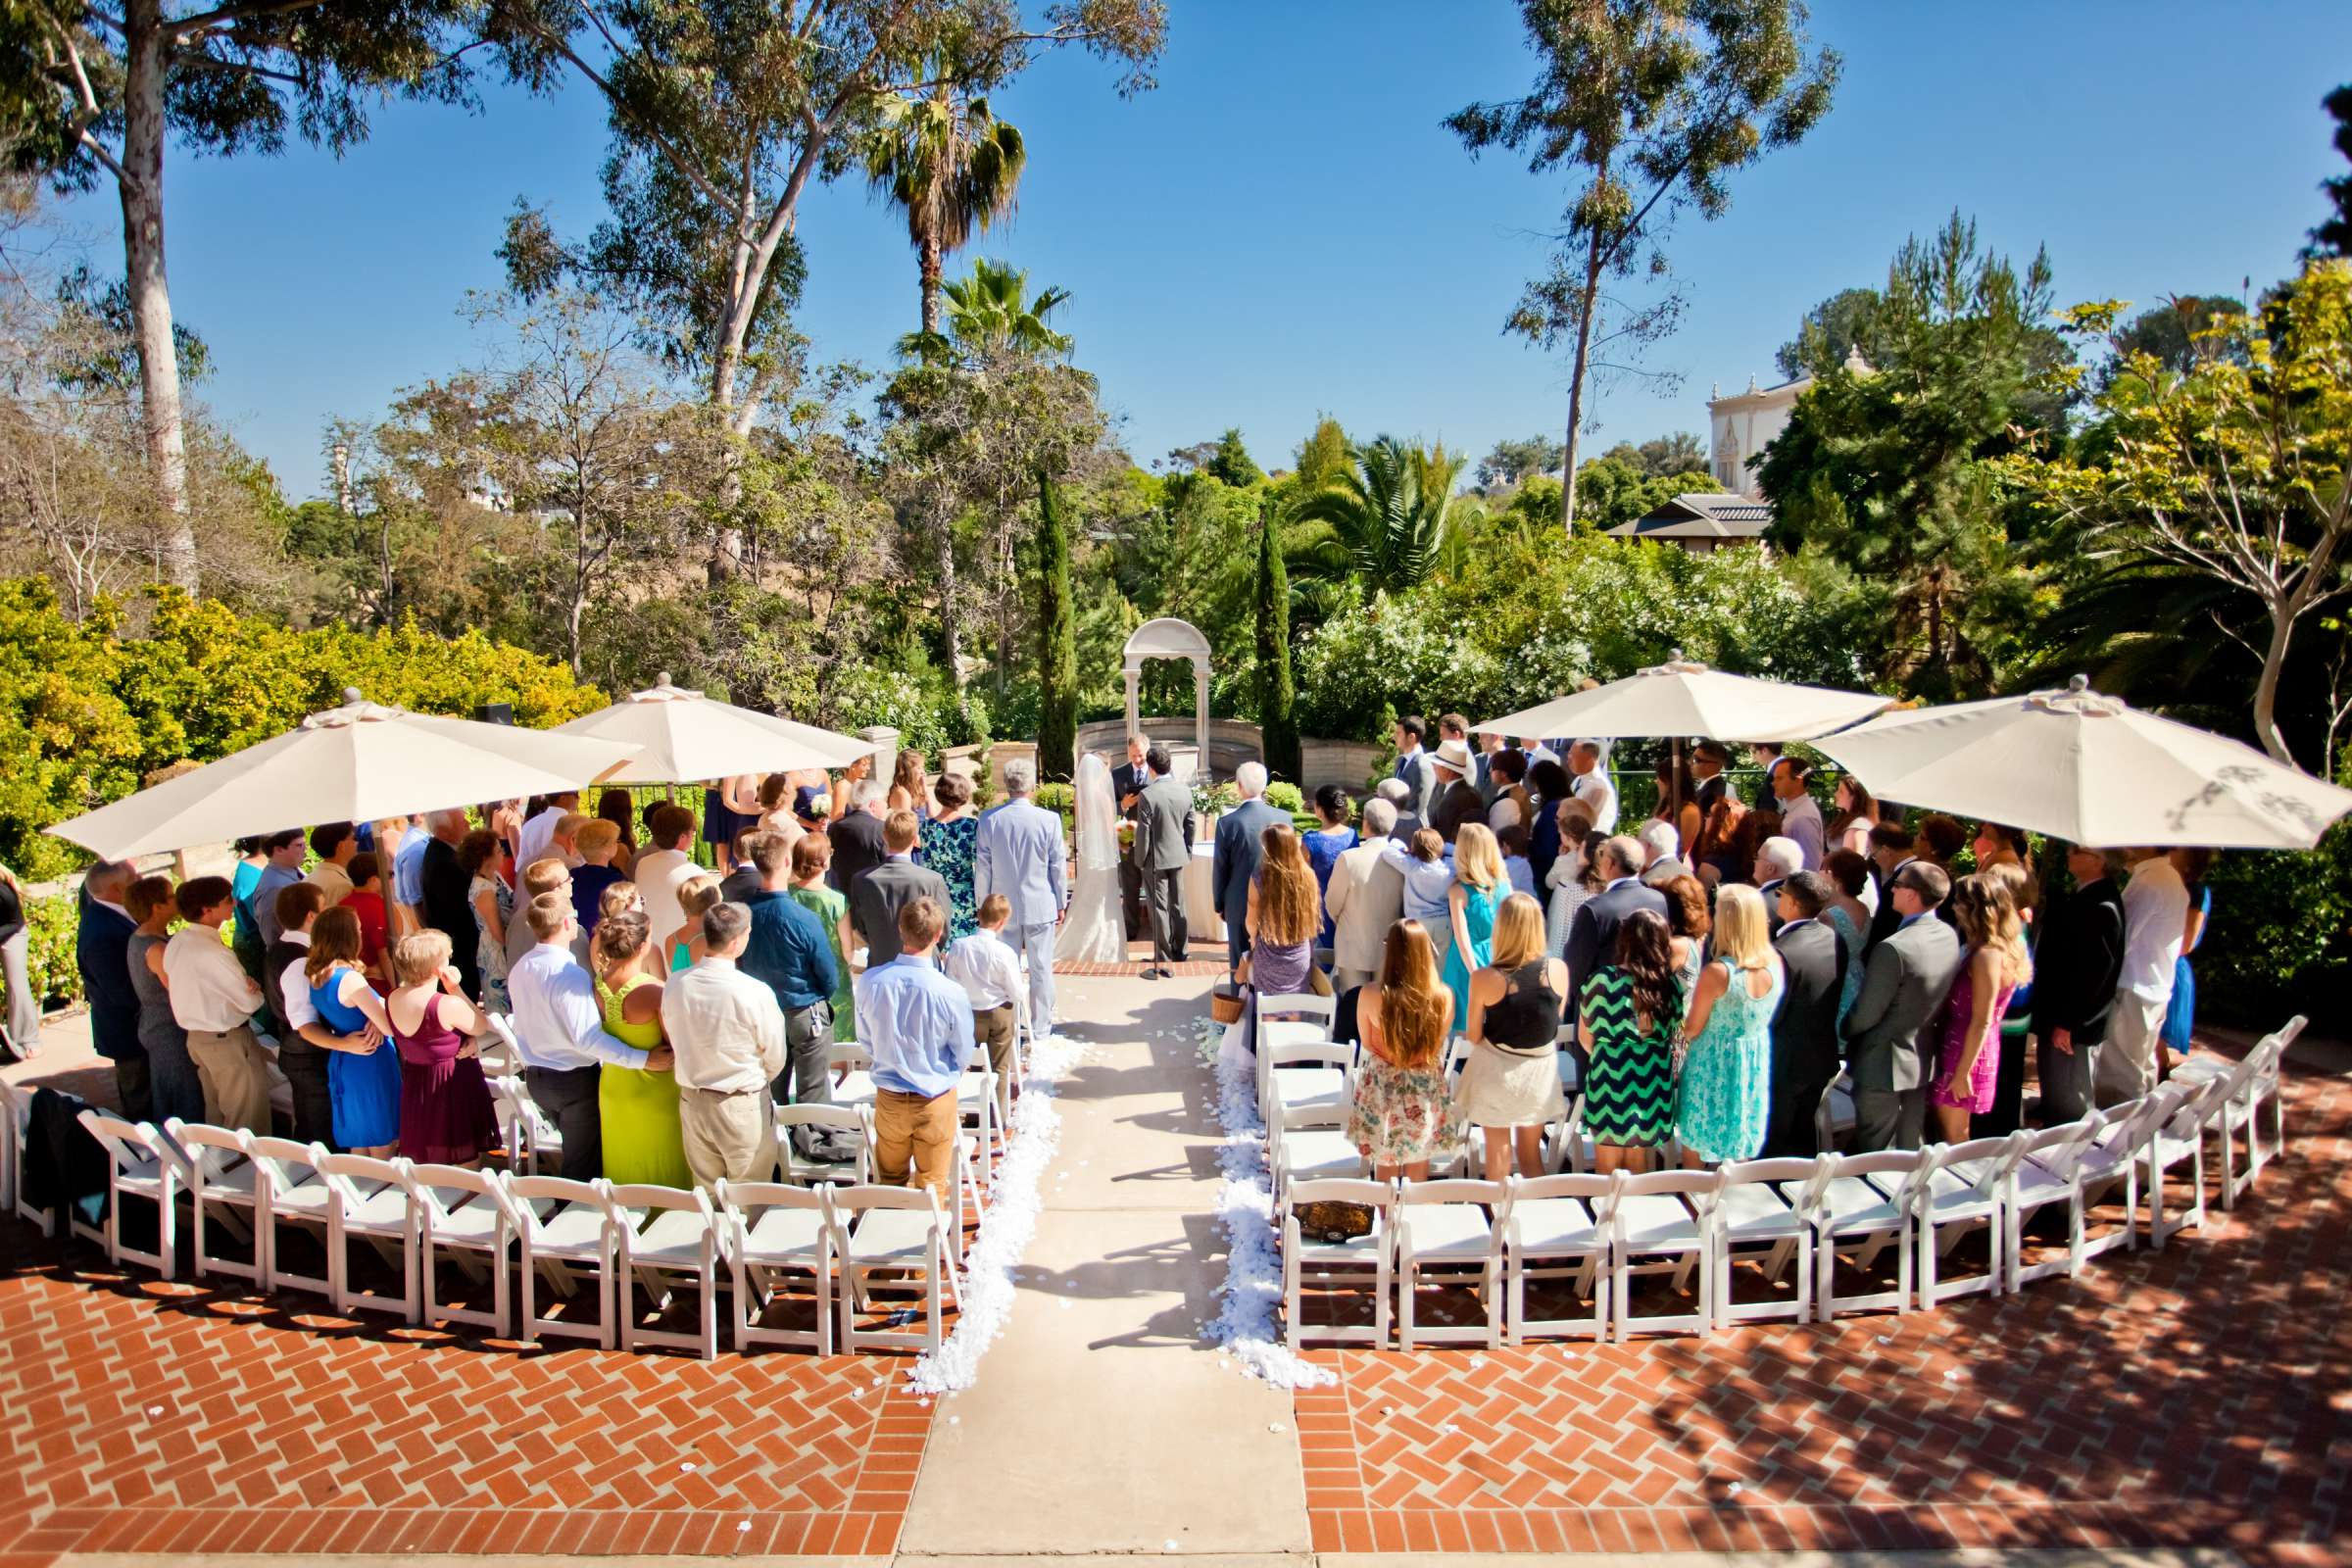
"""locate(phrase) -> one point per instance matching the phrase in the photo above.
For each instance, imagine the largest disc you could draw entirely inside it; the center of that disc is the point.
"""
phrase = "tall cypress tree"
(1276, 695)
(1058, 641)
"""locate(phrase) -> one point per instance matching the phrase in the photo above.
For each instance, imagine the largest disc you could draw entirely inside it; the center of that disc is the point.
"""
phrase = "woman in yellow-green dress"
(637, 1107)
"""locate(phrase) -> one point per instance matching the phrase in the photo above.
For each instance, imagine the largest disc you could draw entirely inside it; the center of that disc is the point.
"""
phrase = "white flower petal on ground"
(1253, 1290)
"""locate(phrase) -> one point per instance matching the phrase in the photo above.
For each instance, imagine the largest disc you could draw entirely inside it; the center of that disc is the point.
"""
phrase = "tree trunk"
(2266, 690)
(951, 634)
(1576, 384)
(142, 191)
(934, 263)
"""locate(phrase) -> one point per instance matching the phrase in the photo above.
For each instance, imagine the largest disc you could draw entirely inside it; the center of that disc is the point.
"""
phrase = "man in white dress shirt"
(531, 843)
(1365, 898)
(560, 1030)
(665, 865)
(727, 1032)
(2155, 922)
(989, 972)
(1800, 814)
(1591, 783)
(213, 999)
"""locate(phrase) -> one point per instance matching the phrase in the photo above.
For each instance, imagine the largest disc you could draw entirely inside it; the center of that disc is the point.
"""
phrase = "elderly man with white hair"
(1662, 843)
(1365, 898)
(1239, 849)
(1405, 820)
(1592, 933)
(1019, 853)
(857, 836)
(1778, 859)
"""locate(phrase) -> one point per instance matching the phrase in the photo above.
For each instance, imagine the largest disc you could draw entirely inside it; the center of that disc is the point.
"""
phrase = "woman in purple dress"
(446, 1117)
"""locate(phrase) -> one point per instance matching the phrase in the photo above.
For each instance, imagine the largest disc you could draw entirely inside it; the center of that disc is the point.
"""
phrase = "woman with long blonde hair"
(907, 791)
(1511, 1086)
(1726, 1093)
(1403, 1114)
(1479, 887)
(1994, 965)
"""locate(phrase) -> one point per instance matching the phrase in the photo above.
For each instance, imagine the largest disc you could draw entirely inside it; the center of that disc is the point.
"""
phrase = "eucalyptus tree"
(1654, 102)
(94, 94)
(726, 113)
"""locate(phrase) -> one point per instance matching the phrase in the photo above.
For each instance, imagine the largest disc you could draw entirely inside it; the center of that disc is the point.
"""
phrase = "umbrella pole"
(1674, 787)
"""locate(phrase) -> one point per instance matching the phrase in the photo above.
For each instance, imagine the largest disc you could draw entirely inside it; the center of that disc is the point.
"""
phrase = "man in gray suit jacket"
(1239, 849)
(1163, 848)
(881, 892)
(1019, 853)
(1889, 1034)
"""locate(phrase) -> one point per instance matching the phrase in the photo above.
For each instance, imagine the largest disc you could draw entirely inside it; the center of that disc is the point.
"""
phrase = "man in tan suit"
(1365, 898)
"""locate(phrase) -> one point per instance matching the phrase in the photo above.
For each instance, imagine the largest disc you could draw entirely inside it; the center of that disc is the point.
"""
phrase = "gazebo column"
(1201, 716)
(1135, 692)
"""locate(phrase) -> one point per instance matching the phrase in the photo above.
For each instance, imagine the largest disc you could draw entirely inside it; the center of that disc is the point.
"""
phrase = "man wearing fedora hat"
(1456, 800)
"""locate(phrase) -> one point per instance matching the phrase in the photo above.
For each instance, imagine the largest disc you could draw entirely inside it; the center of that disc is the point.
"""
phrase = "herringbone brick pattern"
(2195, 1396)
(143, 1416)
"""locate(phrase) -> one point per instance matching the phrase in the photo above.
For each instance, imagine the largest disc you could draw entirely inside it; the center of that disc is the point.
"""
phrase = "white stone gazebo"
(1169, 638)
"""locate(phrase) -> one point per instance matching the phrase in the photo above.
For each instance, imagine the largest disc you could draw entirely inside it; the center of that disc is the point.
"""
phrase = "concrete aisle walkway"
(1099, 1423)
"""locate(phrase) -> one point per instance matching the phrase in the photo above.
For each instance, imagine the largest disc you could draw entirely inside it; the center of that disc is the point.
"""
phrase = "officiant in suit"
(1128, 782)
(1163, 848)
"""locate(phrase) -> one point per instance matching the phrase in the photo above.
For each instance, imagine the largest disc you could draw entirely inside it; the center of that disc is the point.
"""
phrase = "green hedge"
(2280, 938)
(55, 980)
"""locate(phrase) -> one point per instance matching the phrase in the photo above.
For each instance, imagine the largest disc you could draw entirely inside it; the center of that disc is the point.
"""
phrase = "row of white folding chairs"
(564, 1232)
(1809, 1211)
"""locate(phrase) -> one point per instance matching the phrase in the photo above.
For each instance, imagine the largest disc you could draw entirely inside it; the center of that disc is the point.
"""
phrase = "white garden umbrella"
(2090, 769)
(1681, 698)
(352, 763)
(681, 736)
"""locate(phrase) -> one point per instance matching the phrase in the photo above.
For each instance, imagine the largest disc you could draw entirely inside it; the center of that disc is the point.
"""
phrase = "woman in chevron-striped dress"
(1632, 1015)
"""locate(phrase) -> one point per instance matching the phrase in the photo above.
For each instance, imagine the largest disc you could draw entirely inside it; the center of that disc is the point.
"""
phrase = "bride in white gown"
(1095, 931)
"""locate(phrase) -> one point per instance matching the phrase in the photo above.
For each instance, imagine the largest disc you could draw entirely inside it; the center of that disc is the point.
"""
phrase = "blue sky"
(1284, 228)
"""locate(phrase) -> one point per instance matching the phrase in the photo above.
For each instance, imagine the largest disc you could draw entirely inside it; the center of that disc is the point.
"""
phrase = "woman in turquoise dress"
(637, 1107)
(1848, 916)
(1726, 1091)
(363, 1087)
(1477, 888)
(948, 837)
(811, 859)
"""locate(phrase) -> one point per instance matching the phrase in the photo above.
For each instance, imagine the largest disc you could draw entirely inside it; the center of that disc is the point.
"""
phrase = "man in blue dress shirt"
(918, 1024)
(792, 952)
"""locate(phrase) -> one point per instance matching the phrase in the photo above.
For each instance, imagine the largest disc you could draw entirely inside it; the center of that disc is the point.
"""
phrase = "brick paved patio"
(2199, 1396)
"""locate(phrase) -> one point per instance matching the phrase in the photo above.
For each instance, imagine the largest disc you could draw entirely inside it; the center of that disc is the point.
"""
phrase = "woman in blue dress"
(1479, 887)
(2180, 1014)
(1726, 1091)
(1326, 844)
(363, 1084)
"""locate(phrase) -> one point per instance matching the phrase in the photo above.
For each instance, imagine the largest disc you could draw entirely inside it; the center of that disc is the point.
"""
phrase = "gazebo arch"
(1169, 638)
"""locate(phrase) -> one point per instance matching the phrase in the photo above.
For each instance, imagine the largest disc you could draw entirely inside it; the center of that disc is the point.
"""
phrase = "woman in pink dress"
(1996, 964)
(446, 1117)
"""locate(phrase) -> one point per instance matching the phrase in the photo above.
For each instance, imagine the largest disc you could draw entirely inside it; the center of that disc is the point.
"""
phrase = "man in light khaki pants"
(918, 1023)
(727, 1033)
(2155, 924)
(213, 999)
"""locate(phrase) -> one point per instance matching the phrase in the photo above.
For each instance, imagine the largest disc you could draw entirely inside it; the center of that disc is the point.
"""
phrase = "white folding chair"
(1834, 1115)
(458, 1211)
(2177, 1137)
(1960, 1191)
(1336, 1263)
(501, 1054)
(2236, 1104)
(11, 1148)
(15, 1104)
(568, 1240)
(222, 1181)
(858, 1087)
(664, 1235)
(1559, 1227)
(1572, 1081)
(1768, 1205)
(2109, 1157)
(294, 1191)
(1568, 1146)
(2050, 1172)
(1864, 1207)
(370, 1200)
(1318, 1151)
(1444, 1231)
(532, 1139)
(769, 1232)
(1283, 1020)
(900, 1230)
(854, 1122)
(1304, 1083)
(142, 1163)
(1668, 1216)
(978, 1123)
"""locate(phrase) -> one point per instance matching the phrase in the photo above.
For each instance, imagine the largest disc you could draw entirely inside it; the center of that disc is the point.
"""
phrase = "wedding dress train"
(1095, 931)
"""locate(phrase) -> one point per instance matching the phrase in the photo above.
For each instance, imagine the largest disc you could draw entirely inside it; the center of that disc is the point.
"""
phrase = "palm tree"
(951, 166)
(1385, 523)
(992, 313)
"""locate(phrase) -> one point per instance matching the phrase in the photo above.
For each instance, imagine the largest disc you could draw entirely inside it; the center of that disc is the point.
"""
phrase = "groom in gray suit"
(1163, 848)
(1019, 853)
(1891, 1034)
